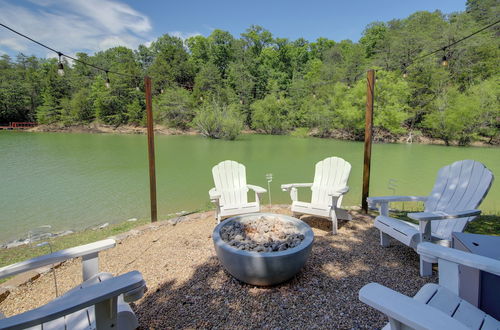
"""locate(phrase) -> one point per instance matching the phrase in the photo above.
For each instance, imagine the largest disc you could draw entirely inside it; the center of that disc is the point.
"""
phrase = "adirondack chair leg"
(384, 239)
(106, 314)
(395, 324)
(90, 265)
(425, 268)
(384, 209)
(333, 216)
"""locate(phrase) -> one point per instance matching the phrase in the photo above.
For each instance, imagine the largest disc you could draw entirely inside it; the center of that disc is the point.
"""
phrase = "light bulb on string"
(405, 72)
(444, 60)
(60, 66)
(108, 83)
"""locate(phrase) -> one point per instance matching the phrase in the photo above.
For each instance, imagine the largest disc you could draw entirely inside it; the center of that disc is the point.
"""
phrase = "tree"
(174, 108)
(271, 114)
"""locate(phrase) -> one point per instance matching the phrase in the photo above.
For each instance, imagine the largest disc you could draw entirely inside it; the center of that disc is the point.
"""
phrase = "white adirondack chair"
(101, 301)
(329, 186)
(458, 191)
(434, 306)
(230, 192)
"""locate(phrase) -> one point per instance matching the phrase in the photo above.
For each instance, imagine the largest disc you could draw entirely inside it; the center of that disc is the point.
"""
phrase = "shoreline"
(95, 128)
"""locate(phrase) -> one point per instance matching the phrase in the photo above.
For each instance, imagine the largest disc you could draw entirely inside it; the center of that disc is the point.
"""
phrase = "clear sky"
(92, 25)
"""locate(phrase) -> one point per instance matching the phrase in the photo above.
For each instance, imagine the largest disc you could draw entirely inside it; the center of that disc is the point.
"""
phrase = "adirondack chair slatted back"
(460, 186)
(330, 174)
(231, 182)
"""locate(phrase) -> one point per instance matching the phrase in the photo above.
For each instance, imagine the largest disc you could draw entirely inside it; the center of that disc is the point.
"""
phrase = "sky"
(72, 26)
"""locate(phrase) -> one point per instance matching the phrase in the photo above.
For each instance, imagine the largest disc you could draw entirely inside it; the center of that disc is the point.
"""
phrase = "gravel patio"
(187, 287)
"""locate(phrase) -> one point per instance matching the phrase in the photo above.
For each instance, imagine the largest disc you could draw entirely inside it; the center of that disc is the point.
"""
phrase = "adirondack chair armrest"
(439, 215)
(89, 253)
(435, 251)
(339, 192)
(214, 195)
(373, 201)
(383, 202)
(406, 310)
(289, 186)
(131, 282)
(257, 189)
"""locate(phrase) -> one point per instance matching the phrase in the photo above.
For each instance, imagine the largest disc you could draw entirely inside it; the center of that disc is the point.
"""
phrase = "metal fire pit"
(263, 268)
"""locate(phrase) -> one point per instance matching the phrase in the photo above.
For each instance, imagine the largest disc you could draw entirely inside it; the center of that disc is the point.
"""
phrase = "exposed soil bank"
(163, 130)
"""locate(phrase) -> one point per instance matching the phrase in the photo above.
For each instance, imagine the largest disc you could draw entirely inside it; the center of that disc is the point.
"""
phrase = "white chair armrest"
(58, 256)
(406, 310)
(214, 195)
(288, 186)
(391, 199)
(486, 264)
(439, 215)
(257, 189)
(77, 300)
(339, 192)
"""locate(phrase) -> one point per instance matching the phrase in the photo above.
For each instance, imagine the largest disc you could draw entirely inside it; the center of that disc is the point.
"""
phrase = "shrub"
(218, 121)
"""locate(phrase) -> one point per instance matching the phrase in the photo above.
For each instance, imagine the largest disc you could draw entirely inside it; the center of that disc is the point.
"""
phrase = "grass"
(487, 224)
(24, 252)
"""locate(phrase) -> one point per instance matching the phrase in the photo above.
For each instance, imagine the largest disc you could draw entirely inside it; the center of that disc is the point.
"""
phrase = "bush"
(218, 121)
(300, 132)
(271, 115)
(174, 108)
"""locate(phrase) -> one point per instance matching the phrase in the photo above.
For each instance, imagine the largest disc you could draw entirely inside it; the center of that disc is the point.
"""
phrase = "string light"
(60, 66)
(61, 54)
(60, 69)
(108, 83)
(444, 60)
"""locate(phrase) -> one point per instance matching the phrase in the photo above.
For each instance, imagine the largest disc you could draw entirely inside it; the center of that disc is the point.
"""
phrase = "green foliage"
(218, 121)
(270, 115)
(276, 85)
(300, 132)
(174, 108)
(463, 116)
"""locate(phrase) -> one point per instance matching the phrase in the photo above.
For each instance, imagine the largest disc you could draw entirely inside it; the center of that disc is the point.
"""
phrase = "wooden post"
(370, 89)
(151, 150)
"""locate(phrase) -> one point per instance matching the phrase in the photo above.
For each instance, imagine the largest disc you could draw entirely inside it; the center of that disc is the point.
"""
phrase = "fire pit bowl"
(264, 268)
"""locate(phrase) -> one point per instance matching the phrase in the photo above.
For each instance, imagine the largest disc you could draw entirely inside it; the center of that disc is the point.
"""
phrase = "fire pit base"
(264, 268)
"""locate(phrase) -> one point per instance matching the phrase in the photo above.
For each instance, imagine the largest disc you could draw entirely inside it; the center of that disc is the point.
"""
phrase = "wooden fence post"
(151, 150)
(370, 89)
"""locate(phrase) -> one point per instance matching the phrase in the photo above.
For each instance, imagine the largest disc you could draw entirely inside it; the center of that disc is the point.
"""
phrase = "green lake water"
(76, 181)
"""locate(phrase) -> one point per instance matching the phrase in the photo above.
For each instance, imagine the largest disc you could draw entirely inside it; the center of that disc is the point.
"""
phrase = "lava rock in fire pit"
(263, 248)
(262, 234)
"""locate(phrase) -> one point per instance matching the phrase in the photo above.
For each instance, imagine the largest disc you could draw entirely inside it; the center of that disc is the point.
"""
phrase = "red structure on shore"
(19, 125)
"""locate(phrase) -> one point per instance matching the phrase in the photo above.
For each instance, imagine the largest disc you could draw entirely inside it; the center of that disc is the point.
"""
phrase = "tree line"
(221, 84)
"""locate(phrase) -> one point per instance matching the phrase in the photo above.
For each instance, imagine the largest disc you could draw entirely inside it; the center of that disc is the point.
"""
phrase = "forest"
(221, 84)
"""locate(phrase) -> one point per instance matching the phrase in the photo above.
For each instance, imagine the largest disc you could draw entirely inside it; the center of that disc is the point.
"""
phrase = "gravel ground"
(188, 288)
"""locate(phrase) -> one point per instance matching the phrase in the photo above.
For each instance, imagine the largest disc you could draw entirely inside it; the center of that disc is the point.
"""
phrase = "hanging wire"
(255, 89)
(452, 44)
(60, 54)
